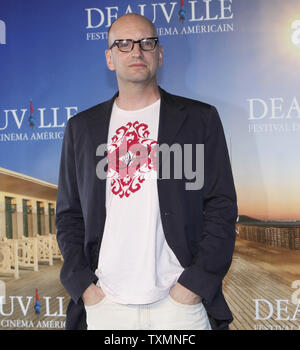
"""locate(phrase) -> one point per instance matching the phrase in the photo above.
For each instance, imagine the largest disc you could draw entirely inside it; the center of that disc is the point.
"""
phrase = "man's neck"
(137, 96)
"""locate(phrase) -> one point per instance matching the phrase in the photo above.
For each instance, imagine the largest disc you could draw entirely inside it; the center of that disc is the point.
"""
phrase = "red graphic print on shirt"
(131, 155)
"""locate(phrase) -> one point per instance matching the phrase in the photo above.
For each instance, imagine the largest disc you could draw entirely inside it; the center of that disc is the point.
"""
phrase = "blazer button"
(167, 213)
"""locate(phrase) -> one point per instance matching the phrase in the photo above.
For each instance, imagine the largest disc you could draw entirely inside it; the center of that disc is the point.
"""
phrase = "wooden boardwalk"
(255, 277)
(249, 278)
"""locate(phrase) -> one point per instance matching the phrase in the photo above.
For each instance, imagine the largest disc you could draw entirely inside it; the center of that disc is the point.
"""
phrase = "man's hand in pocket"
(183, 295)
(92, 295)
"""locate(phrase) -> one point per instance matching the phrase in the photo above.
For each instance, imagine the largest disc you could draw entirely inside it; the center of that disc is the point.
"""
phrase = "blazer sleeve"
(75, 274)
(214, 254)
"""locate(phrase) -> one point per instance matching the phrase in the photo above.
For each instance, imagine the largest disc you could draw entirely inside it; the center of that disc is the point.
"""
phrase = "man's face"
(135, 28)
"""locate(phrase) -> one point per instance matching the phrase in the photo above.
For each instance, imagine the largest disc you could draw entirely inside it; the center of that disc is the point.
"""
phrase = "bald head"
(125, 20)
(137, 66)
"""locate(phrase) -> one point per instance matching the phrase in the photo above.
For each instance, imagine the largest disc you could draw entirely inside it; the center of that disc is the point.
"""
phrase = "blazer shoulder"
(204, 116)
(193, 104)
(89, 113)
(198, 110)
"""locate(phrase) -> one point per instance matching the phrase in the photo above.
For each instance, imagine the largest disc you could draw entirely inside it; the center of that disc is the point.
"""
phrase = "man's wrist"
(184, 295)
(92, 294)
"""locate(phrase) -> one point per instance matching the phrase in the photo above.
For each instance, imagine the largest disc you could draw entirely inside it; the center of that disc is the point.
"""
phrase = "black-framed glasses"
(126, 45)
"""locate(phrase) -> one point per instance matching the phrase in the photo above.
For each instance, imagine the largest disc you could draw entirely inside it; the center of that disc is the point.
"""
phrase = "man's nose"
(136, 49)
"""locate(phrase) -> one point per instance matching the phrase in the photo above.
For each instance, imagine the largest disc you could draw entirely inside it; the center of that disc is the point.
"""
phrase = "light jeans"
(165, 314)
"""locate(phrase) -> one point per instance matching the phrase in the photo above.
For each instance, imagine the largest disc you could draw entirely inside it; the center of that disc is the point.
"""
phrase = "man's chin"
(141, 79)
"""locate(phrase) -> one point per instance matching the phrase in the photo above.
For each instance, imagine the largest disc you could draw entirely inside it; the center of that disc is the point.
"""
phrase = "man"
(143, 252)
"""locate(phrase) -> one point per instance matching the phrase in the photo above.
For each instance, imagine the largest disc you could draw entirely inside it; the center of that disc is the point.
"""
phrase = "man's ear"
(109, 60)
(161, 51)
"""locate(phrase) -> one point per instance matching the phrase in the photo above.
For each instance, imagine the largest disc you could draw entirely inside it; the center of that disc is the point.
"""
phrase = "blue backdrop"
(241, 56)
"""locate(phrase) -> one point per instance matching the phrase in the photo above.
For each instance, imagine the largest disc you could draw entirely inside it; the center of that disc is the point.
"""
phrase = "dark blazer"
(199, 225)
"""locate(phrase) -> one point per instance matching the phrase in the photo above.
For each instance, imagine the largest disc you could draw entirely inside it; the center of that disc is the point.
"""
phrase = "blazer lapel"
(98, 126)
(171, 117)
(98, 123)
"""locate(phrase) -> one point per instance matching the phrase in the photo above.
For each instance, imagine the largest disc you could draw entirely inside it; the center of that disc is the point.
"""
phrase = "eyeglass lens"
(146, 44)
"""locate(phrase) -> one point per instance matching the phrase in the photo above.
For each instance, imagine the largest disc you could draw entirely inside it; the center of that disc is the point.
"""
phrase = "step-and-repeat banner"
(241, 56)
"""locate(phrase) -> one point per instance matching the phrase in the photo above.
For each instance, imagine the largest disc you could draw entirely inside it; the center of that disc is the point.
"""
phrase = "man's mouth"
(137, 65)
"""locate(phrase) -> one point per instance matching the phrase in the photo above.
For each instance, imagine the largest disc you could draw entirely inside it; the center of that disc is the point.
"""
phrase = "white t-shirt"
(136, 265)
